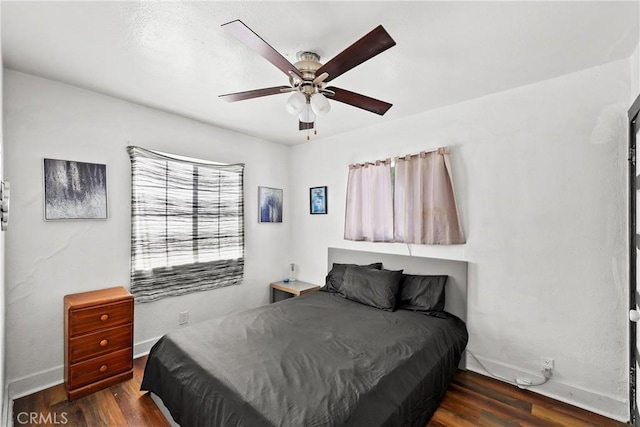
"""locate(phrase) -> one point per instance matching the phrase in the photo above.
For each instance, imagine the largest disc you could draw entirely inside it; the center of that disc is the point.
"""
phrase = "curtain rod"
(440, 150)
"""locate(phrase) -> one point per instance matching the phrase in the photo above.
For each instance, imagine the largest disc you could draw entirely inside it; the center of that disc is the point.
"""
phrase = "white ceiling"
(175, 56)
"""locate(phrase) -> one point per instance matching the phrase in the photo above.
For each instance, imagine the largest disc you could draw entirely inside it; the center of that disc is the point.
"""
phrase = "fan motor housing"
(308, 63)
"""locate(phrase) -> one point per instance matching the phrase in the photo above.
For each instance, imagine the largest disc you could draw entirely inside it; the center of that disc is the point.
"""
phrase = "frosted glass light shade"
(307, 115)
(320, 104)
(296, 103)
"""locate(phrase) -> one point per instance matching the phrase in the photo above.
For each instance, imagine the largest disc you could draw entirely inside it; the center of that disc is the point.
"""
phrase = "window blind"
(187, 225)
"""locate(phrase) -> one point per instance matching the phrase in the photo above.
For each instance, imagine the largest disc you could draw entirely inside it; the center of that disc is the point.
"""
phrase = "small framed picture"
(74, 190)
(270, 204)
(318, 200)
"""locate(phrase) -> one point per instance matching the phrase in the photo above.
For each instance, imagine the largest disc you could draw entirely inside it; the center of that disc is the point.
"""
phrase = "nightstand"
(98, 340)
(295, 288)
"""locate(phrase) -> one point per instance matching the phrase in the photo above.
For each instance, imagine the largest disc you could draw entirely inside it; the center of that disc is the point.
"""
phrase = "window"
(369, 208)
(411, 202)
(425, 210)
(187, 225)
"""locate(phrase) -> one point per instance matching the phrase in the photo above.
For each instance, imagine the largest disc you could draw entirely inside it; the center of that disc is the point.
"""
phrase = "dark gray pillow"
(335, 277)
(377, 288)
(422, 293)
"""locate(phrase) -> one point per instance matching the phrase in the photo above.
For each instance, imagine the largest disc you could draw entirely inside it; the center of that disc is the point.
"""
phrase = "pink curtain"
(369, 210)
(425, 203)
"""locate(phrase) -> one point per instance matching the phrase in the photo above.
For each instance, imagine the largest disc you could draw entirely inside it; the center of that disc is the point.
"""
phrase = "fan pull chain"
(315, 131)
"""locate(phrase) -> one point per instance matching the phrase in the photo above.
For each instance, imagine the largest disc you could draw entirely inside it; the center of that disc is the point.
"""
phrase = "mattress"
(314, 360)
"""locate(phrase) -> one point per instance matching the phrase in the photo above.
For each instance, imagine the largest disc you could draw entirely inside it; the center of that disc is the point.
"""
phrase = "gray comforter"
(314, 360)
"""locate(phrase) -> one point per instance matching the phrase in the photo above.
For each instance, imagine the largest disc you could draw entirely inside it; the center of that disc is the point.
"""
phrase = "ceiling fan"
(308, 77)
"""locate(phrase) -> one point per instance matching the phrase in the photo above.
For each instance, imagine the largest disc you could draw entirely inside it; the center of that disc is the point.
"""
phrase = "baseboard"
(33, 383)
(142, 348)
(586, 399)
(39, 381)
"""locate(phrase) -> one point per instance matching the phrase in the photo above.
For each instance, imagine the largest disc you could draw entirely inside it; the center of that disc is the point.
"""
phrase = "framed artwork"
(74, 190)
(318, 200)
(270, 204)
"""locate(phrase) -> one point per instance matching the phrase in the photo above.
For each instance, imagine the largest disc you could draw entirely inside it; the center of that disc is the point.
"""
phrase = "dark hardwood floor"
(472, 400)
(120, 405)
(475, 400)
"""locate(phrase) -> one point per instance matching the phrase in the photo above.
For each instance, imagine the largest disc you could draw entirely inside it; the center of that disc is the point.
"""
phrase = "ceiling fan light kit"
(320, 104)
(308, 77)
(296, 103)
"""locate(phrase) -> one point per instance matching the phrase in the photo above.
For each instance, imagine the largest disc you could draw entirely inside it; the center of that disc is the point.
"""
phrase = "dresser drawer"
(105, 316)
(92, 370)
(99, 343)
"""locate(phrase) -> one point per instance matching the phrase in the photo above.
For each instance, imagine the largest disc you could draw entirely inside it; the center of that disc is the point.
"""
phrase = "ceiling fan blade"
(243, 33)
(357, 100)
(239, 96)
(373, 43)
(305, 125)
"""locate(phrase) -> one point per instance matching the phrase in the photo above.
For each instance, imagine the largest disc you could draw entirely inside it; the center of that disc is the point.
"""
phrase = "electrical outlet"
(183, 318)
(547, 363)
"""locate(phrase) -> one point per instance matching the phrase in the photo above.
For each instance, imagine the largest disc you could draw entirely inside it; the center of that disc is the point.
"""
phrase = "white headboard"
(456, 287)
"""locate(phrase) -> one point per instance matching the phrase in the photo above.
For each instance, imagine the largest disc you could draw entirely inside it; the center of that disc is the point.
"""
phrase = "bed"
(316, 360)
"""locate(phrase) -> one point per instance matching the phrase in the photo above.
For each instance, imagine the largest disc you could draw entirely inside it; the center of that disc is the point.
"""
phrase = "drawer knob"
(103, 368)
(104, 343)
(104, 317)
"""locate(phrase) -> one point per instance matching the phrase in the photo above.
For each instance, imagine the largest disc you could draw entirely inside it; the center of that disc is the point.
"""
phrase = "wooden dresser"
(98, 340)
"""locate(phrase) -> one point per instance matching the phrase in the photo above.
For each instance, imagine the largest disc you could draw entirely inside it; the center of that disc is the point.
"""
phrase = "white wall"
(635, 72)
(47, 260)
(540, 179)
